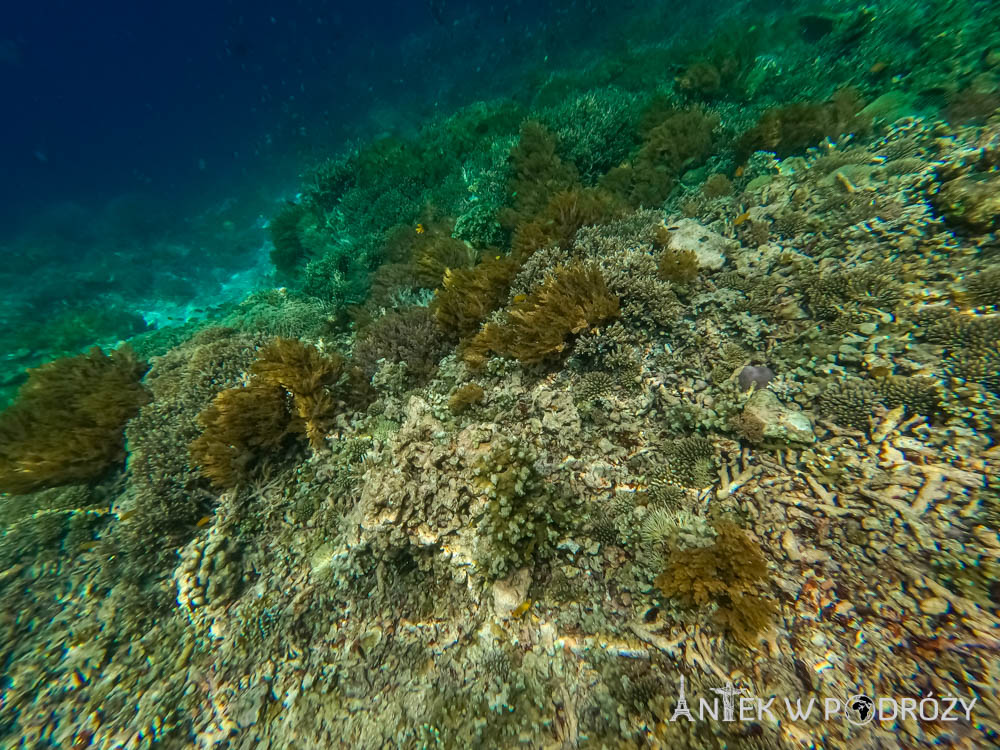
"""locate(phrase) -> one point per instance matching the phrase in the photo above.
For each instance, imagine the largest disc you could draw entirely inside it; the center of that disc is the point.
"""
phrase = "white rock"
(710, 247)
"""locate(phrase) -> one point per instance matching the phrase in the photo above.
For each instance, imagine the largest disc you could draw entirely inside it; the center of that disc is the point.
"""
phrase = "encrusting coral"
(68, 420)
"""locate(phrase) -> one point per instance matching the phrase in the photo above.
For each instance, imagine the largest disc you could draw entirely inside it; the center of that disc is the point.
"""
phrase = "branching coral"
(409, 335)
(730, 573)
(575, 298)
(67, 422)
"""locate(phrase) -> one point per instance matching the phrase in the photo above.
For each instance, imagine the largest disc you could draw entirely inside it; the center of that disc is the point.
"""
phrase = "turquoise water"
(478, 376)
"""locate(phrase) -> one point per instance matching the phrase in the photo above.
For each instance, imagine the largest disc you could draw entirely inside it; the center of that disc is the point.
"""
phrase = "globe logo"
(859, 710)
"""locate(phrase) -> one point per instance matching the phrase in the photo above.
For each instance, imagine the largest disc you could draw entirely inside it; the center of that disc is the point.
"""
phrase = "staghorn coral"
(67, 422)
(573, 299)
(730, 573)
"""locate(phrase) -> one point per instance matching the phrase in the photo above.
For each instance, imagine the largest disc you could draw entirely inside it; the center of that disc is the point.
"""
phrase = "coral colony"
(681, 371)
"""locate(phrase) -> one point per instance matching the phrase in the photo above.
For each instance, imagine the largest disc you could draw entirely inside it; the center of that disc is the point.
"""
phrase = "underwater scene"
(465, 374)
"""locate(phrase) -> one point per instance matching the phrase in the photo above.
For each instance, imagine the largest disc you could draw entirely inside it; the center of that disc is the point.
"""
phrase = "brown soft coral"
(793, 128)
(564, 214)
(294, 389)
(571, 300)
(679, 141)
(320, 386)
(467, 296)
(538, 174)
(729, 573)
(239, 429)
(67, 422)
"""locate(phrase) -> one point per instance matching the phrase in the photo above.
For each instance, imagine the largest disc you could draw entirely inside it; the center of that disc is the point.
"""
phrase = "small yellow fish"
(420, 229)
(521, 608)
(520, 297)
(741, 218)
(740, 170)
(204, 521)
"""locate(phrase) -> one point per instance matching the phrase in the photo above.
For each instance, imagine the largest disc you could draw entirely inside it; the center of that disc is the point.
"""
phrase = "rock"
(934, 605)
(510, 593)
(774, 421)
(709, 247)
(791, 546)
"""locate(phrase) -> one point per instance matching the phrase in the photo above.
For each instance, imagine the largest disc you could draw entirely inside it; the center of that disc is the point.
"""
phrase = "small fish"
(520, 297)
(203, 521)
(420, 229)
(740, 171)
(878, 67)
(741, 218)
(521, 608)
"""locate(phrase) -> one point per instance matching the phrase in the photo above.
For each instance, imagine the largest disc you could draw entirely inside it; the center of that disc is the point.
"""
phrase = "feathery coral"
(68, 420)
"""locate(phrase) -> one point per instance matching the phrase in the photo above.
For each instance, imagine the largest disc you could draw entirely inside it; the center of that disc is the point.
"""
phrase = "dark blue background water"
(190, 103)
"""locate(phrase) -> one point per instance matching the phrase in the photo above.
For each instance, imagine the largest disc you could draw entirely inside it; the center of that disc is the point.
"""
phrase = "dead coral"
(67, 422)
(571, 300)
(731, 573)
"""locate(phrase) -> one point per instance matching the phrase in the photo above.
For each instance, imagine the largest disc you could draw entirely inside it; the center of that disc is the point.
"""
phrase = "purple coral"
(759, 374)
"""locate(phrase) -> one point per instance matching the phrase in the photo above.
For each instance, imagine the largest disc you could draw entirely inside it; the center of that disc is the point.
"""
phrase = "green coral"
(523, 517)
(691, 462)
